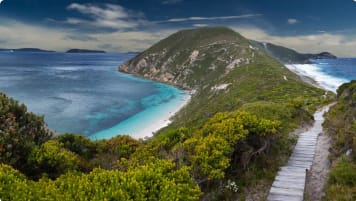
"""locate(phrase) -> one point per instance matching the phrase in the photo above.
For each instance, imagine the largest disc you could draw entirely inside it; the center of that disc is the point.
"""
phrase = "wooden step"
(289, 183)
(282, 197)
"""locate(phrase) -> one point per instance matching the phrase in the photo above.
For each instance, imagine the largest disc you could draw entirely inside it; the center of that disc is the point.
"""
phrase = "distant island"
(84, 51)
(25, 50)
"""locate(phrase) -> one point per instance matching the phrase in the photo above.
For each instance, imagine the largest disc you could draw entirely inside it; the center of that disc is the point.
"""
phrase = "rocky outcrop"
(193, 58)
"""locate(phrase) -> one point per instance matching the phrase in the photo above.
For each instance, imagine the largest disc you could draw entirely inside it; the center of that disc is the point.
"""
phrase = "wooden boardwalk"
(290, 181)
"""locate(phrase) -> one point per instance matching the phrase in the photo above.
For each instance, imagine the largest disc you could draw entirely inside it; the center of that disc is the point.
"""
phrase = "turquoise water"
(85, 94)
(152, 118)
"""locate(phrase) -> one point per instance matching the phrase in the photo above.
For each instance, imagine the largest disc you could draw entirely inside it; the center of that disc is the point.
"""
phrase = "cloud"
(211, 18)
(292, 21)
(117, 18)
(130, 32)
(1, 1)
(80, 37)
(171, 1)
(61, 39)
(129, 40)
(133, 40)
(200, 25)
(106, 16)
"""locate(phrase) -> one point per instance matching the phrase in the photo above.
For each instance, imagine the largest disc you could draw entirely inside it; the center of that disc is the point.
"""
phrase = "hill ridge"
(225, 70)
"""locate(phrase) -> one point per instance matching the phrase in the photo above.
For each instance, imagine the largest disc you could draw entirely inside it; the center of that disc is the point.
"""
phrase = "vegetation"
(177, 165)
(228, 74)
(20, 133)
(286, 55)
(341, 126)
(226, 140)
(157, 180)
(340, 121)
(53, 159)
(204, 59)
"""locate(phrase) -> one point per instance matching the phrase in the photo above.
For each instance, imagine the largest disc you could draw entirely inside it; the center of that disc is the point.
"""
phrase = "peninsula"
(84, 51)
(26, 50)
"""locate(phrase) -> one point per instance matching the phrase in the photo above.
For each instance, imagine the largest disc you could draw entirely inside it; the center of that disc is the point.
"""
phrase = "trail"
(289, 183)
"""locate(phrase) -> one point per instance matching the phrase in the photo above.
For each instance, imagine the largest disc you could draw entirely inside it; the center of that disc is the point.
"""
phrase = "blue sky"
(133, 25)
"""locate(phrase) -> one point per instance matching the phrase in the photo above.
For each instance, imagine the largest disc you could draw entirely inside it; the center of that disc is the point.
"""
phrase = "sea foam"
(316, 72)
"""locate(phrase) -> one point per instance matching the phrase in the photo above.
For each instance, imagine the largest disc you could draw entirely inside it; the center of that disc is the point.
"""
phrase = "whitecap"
(316, 72)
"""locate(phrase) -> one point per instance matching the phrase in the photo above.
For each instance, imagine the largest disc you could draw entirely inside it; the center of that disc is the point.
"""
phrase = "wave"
(316, 72)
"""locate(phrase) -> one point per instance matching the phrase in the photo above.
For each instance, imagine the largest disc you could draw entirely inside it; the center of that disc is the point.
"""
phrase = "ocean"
(85, 94)
(328, 73)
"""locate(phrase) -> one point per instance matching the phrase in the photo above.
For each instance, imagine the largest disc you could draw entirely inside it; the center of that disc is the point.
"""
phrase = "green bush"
(342, 182)
(53, 159)
(157, 180)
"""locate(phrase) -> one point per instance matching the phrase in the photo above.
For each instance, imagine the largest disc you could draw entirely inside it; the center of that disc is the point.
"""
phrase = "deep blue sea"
(329, 73)
(84, 93)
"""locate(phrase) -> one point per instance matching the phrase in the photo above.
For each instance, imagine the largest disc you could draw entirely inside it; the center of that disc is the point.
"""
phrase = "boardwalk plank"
(279, 197)
(284, 184)
(289, 183)
(292, 192)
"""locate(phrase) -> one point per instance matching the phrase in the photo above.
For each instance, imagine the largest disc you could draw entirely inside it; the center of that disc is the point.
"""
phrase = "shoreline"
(163, 116)
(162, 121)
(305, 78)
(311, 74)
(148, 121)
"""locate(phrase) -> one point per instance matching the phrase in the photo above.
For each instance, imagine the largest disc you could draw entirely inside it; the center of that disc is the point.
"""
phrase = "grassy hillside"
(191, 58)
(224, 69)
(341, 126)
(290, 56)
(228, 75)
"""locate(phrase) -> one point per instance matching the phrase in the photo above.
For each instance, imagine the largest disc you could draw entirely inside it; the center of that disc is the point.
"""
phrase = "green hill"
(290, 56)
(228, 75)
(223, 69)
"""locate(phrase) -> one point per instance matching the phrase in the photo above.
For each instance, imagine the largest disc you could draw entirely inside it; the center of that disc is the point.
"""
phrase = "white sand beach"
(162, 120)
(146, 123)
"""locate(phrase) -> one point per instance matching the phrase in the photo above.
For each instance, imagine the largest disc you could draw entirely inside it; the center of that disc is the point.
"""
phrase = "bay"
(84, 93)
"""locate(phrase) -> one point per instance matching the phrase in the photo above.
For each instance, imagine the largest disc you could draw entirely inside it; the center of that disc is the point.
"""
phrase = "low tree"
(53, 159)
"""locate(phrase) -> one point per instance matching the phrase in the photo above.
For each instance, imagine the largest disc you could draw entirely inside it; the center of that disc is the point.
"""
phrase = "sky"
(134, 25)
